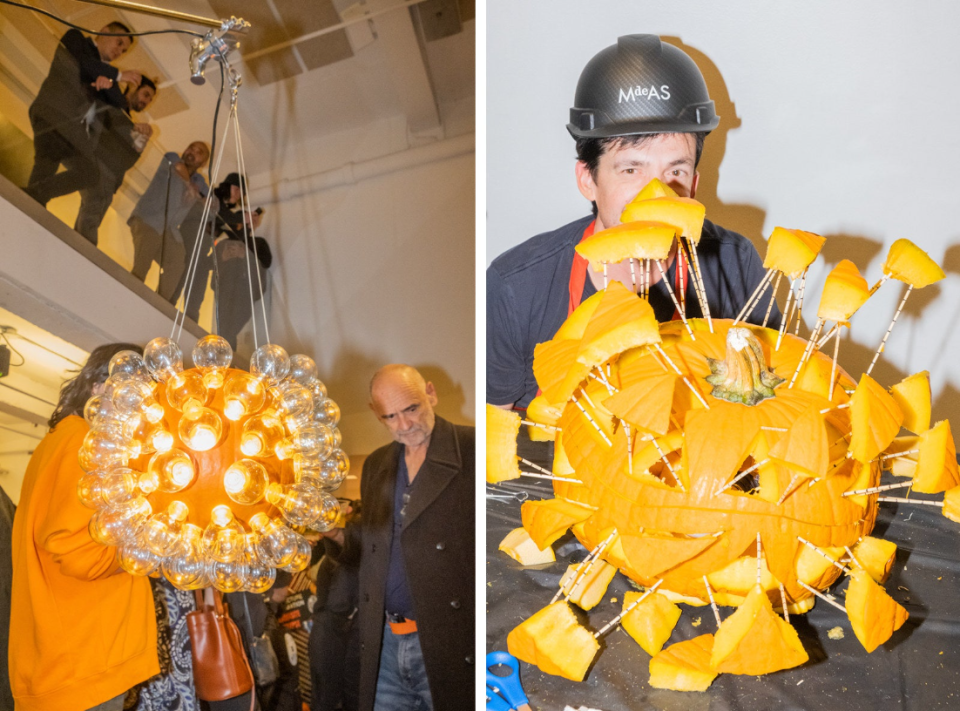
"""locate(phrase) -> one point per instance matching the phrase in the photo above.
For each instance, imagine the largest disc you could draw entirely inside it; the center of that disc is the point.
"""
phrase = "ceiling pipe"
(157, 12)
(352, 173)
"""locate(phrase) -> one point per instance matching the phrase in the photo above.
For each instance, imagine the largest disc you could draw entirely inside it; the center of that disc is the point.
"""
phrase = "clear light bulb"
(327, 412)
(319, 473)
(116, 525)
(302, 370)
(138, 560)
(102, 450)
(261, 434)
(187, 565)
(98, 408)
(132, 396)
(296, 405)
(169, 472)
(186, 387)
(258, 577)
(161, 533)
(302, 559)
(277, 544)
(270, 363)
(243, 395)
(337, 438)
(223, 538)
(163, 358)
(245, 481)
(228, 577)
(212, 355)
(310, 441)
(113, 487)
(304, 505)
(149, 435)
(200, 428)
(129, 362)
(319, 390)
(335, 467)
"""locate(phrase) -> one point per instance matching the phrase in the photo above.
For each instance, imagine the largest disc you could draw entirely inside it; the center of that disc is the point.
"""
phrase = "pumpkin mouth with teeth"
(719, 461)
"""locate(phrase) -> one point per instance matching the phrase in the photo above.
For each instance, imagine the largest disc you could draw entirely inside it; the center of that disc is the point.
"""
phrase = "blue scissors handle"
(495, 702)
(509, 685)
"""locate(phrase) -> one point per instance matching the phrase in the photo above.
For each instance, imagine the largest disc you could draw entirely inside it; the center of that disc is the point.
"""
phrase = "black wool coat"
(437, 540)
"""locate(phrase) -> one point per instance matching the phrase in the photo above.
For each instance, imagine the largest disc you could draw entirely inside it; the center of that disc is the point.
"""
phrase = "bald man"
(416, 550)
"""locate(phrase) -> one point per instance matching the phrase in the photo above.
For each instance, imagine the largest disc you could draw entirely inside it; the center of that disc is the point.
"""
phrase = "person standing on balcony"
(63, 116)
(155, 221)
(122, 141)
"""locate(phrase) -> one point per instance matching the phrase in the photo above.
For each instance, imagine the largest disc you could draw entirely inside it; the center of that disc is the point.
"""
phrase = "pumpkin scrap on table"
(720, 462)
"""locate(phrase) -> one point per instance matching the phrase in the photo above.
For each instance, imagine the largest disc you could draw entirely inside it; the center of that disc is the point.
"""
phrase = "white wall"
(376, 272)
(837, 118)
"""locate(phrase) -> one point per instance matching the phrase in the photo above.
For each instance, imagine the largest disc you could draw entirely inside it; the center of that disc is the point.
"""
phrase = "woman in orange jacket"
(82, 631)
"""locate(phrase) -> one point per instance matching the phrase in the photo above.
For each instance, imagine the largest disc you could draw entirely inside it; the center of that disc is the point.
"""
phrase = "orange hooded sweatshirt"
(82, 630)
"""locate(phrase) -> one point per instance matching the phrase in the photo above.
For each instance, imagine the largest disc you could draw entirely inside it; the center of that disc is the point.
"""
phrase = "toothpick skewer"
(633, 276)
(698, 284)
(740, 476)
(880, 281)
(673, 297)
(550, 428)
(833, 367)
(823, 553)
(593, 422)
(773, 299)
(789, 490)
(588, 561)
(759, 556)
(899, 455)
(666, 461)
(897, 499)
(713, 603)
(853, 557)
(877, 489)
(604, 275)
(883, 343)
(787, 315)
(807, 352)
(616, 620)
(822, 596)
(754, 297)
(646, 268)
(686, 380)
(841, 406)
(803, 284)
(546, 473)
(774, 429)
(783, 603)
(626, 432)
(603, 379)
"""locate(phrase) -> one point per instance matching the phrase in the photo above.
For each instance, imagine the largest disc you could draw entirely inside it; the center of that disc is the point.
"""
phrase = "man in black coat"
(416, 550)
(63, 115)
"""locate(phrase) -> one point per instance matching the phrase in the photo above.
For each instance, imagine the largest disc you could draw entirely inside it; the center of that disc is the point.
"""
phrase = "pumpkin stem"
(742, 376)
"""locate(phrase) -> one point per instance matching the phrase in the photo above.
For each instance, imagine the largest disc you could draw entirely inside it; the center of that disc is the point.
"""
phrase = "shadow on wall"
(746, 219)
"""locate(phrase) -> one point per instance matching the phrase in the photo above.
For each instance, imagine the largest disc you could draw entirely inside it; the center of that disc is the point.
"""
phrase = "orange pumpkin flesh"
(585, 588)
(651, 622)
(792, 251)
(873, 614)
(684, 666)
(503, 426)
(553, 640)
(908, 263)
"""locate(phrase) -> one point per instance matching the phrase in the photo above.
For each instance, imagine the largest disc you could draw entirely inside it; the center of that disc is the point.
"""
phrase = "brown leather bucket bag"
(220, 667)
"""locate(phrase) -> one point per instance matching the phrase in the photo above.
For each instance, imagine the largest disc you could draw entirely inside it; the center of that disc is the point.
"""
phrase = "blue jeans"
(402, 681)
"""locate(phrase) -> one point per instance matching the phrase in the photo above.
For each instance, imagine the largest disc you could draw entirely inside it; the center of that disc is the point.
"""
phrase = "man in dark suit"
(416, 549)
(63, 115)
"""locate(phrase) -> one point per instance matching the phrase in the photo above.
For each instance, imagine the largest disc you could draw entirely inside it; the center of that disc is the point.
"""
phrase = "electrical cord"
(6, 340)
(104, 34)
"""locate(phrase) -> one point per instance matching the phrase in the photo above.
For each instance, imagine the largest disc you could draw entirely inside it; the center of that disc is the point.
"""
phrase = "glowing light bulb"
(186, 387)
(261, 434)
(170, 471)
(302, 558)
(187, 565)
(258, 577)
(200, 429)
(245, 481)
(228, 577)
(161, 533)
(302, 369)
(153, 410)
(163, 358)
(212, 355)
(270, 363)
(107, 487)
(162, 440)
(223, 538)
(242, 395)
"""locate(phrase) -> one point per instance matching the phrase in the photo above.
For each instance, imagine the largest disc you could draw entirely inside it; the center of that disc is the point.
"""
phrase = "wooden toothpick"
(673, 296)
(754, 297)
(593, 422)
(900, 500)
(686, 380)
(783, 602)
(787, 314)
(822, 596)
(663, 457)
(773, 299)
(604, 275)
(616, 620)
(899, 455)
(588, 562)
(823, 553)
(883, 343)
(807, 352)
(698, 285)
(759, 556)
(740, 476)
(803, 284)
(877, 489)
(789, 490)
(713, 603)
(550, 428)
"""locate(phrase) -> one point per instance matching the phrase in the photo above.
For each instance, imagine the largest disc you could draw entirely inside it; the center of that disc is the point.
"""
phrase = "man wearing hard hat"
(641, 112)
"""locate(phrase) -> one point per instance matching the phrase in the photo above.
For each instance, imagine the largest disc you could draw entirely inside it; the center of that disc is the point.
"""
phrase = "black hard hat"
(641, 85)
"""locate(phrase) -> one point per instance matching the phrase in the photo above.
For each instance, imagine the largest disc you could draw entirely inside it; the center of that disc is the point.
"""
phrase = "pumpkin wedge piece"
(556, 369)
(589, 589)
(652, 555)
(804, 448)
(951, 504)
(844, 292)
(792, 251)
(518, 545)
(685, 214)
(937, 461)
(503, 426)
(908, 263)
(549, 519)
(636, 240)
(645, 405)
(555, 642)
(656, 188)
(651, 622)
(873, 614)
(913, 396)
(684, 666)
(755, 640)
(622, 321)
(876, 556)
(875, 420)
